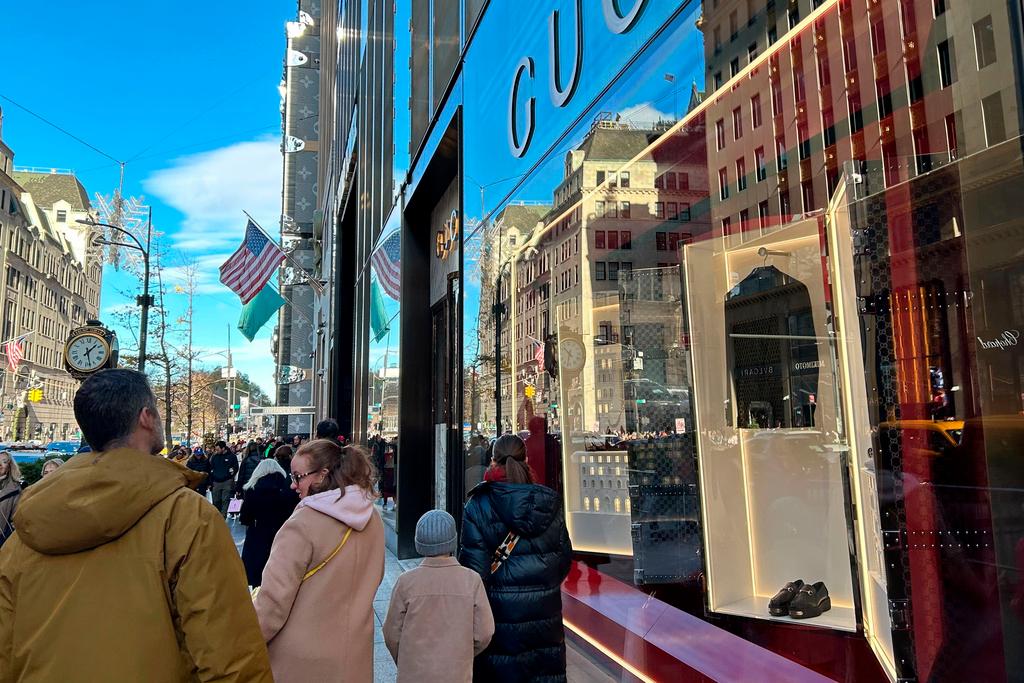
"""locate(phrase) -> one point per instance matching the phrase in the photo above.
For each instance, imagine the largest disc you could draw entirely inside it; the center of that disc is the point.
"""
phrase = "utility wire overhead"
(63, 130)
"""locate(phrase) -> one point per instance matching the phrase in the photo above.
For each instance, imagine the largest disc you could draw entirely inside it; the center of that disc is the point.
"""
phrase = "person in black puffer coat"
(268, 503)
(525, 591)
(253, 456)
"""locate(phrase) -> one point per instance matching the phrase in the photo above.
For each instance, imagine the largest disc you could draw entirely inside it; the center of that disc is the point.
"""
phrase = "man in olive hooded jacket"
(118, 571)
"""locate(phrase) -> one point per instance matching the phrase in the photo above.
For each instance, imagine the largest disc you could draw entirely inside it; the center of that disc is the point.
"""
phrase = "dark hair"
(283, 454)
(221, 444)
(510, 453)
(252, 448)
(107, 405)
(327, 429)
(346, 465)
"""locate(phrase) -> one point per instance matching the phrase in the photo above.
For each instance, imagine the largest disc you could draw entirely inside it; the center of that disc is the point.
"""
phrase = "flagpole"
(288, 257)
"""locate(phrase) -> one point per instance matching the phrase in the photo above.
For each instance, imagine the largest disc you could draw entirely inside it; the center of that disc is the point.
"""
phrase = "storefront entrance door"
(446, 355)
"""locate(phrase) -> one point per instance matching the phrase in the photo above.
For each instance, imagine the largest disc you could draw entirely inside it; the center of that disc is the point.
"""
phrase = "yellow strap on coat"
(320, 566)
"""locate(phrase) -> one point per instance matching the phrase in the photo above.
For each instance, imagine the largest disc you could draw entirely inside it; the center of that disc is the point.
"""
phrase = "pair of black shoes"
(800, 600)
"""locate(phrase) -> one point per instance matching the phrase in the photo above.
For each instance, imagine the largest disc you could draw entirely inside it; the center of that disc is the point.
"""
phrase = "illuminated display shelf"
(770, 444)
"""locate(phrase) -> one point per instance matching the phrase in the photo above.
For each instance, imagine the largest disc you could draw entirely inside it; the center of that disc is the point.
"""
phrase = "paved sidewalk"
(580, 668)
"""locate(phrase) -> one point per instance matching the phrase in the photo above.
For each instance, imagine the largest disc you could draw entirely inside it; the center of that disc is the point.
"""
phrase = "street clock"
(90, 349)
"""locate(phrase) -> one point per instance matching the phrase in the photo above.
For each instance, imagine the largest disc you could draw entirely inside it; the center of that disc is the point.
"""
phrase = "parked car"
(62, 447)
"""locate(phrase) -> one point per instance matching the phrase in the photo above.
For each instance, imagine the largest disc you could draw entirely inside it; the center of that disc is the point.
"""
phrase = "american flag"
(251, 266)
(387, 262)
(15, 351)
(538, 355)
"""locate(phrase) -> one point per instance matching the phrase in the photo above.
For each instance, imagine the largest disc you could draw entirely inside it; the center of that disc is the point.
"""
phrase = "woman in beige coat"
(316, 603)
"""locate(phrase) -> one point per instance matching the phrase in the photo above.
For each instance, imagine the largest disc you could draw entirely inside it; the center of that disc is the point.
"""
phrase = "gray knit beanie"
(436, 534)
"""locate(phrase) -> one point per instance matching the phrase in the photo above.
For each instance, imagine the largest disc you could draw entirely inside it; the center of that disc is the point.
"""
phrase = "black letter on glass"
(614, 19)
(560, 95)
(519, 148)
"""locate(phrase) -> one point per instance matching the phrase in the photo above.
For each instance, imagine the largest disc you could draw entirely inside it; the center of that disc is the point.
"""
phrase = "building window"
(659, 210)
(776, 97)
(741, 174)
(670, 177)
(723, 183)
(985, 42)
(884, 95)
(744, 220)
(762, 215)
(828, 125)
(780, 152)
(755, 111)
(62, 216)
(599, 270)
(890, 163)
(951, 137)
(734, 25)
(613, 239)
(718, 80)
(737, 123)
(626, 239)
(660, 241)
(784, 210)
(613, 270)
(726, 227)
(877, 37)
(807, 194)
(624, 211)
(684, 181)
(684, 211)
(794, 17)
(762, 165)
(947, 68)
(720, 134)
(804, 139)
(612, 210)
(992, 111)
(673, 211)
(599, 239)
(940, 7)
(599, 209)
(734, 66)
(922, 158)
(799, 87)
(600, 177)
(824, 72)
(624, 179)
(751, 52)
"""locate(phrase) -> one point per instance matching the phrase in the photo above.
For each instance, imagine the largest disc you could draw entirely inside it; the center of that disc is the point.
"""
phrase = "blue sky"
(186, 91)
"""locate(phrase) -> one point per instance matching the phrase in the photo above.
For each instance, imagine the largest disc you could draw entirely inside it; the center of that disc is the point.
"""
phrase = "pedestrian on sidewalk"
(223, 466)
(252, 458)
(439, 618)
(199, 462)
(283, 455)
(269, 501)
(514, 537)
(325, 566)
(328, 429)
(10, 493)
(117, 571)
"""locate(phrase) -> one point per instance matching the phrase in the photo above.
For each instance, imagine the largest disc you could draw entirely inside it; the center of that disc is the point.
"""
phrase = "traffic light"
(35, 395)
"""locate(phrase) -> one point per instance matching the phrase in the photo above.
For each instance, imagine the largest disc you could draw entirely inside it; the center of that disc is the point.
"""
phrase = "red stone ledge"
(657, 642)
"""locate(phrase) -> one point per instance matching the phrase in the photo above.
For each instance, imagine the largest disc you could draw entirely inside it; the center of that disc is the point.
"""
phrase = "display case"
(771, 439)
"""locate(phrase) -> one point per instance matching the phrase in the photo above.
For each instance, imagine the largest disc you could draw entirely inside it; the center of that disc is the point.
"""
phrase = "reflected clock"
(572, 353)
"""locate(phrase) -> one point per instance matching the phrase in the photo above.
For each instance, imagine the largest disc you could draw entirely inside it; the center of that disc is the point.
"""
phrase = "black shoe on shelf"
(810, 601)
(778, 606)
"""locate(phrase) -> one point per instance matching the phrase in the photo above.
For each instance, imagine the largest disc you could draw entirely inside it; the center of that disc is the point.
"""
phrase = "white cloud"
(211, 189)
(644, 114)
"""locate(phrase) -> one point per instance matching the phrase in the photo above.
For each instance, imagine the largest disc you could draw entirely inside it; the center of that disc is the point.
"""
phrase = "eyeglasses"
(299, 477)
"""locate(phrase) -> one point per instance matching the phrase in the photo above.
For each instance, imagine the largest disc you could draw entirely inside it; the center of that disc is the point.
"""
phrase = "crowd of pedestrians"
(123, 558)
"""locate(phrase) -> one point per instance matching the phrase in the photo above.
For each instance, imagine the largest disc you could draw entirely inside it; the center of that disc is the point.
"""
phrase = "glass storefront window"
(757, 314)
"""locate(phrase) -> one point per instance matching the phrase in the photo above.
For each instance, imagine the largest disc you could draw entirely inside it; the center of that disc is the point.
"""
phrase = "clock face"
(88, 352)
(574, 354)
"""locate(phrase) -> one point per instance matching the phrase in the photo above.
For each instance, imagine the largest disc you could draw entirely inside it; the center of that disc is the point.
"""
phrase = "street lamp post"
(144, 301)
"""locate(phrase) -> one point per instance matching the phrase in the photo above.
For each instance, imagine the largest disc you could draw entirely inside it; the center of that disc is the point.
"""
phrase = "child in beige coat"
(439, 618)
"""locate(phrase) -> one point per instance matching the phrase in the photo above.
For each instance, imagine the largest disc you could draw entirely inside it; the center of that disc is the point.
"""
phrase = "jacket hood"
(95, 498)
(354, 509)
(527, 509)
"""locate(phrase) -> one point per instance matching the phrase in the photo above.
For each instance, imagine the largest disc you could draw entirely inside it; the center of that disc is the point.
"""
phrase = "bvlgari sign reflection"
(561, 86)
(1001, 341)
